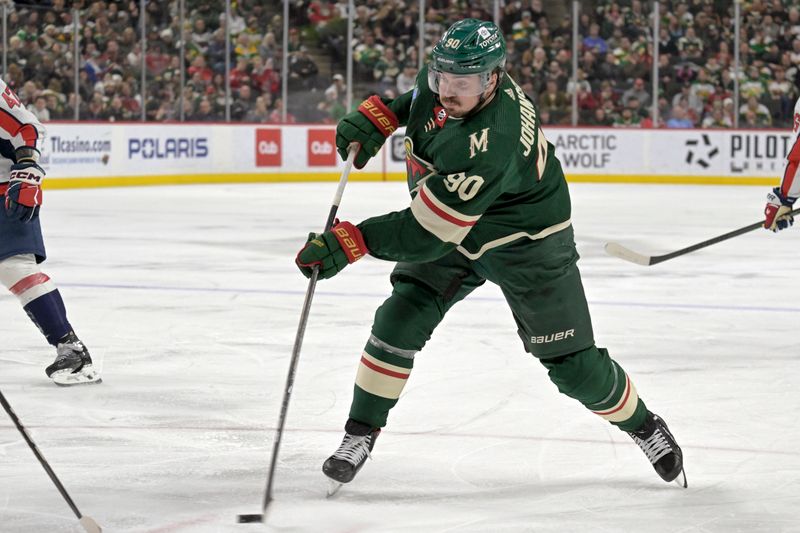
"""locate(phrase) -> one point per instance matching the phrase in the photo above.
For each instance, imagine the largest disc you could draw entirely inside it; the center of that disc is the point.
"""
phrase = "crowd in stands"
(614, 85)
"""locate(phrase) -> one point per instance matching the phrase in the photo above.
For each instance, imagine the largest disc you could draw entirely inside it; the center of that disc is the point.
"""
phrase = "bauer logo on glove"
(332, 250)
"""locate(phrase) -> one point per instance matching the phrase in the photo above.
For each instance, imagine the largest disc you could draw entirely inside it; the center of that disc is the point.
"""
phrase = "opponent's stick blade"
(617, 250)
(249, 518)
(90, 525)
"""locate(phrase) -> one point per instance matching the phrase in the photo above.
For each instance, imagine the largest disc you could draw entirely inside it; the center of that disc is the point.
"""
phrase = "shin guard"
(38, 295)
(403, 324)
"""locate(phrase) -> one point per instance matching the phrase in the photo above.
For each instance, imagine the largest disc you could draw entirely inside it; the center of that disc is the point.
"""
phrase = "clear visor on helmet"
(447, 84)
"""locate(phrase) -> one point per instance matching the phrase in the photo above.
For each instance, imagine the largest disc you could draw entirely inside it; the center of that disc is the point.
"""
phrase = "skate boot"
(73, 364)
(344, 464)
(661, 450)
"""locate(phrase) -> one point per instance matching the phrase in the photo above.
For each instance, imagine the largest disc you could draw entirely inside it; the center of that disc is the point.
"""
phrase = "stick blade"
(249, 518)
(617, 250)
(90, 525)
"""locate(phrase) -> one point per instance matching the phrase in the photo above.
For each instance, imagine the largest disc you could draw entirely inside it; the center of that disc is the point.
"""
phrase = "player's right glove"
(777, 210)
(368, 126)
(332, 250)
(24, 193)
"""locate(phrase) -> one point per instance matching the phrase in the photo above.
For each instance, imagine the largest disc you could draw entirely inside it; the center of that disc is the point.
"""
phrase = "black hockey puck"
(249, 518)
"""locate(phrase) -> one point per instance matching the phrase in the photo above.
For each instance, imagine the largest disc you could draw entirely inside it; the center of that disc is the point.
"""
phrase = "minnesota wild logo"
(417, 169)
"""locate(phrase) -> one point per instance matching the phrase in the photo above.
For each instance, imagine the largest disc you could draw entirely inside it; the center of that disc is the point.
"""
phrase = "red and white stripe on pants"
(22, 277)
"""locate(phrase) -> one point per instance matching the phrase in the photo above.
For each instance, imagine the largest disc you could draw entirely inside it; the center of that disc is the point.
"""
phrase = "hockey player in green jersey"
(489, 202)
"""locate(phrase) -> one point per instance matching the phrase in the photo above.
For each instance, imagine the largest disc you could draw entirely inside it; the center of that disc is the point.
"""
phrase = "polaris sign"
(168, 148)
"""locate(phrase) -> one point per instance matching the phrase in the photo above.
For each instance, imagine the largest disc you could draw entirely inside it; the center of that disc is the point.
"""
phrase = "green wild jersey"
(476, 183)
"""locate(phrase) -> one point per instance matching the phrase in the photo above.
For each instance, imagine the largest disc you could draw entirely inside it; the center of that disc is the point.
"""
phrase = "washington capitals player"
(780, 201)
(22, 246)
(489, 202)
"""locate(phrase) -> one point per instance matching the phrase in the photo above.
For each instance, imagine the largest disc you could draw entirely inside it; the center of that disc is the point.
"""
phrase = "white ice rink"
(188, 299)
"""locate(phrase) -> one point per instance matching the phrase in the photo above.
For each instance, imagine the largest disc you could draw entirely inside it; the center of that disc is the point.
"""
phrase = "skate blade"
(333, 487)
(84, 376)
(681, 482)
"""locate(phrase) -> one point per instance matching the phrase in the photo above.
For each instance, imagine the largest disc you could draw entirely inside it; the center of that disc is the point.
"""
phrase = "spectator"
(594, 42)
(690, 47)
(205, 112)
(331, 109)
(555, 102)
(761, 115)
(366, 56)
(116, 111)
(240, 73)
(302, 70)
(387, 69)
(701, 90)
(679, 118)
(523, 31)
(638, 92)
(95, 111)
(39, 109)
(407, 78)
(200, 36)
(259, 113)
(717, 118)
(599, 118)
(242, 104)
(628, 119)
(338, 86)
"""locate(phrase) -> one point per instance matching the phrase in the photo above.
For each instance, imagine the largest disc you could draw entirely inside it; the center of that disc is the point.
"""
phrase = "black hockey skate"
(344, 464)
(661, 450)
(73, 364)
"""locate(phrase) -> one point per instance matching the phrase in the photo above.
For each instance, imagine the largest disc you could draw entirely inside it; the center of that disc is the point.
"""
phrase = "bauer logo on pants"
(268, 147)
(552, 337)
(321, 147)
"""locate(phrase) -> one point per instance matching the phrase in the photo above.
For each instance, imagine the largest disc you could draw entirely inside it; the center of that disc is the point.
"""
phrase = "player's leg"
(547, 299)
(421, 295)
(21, 251)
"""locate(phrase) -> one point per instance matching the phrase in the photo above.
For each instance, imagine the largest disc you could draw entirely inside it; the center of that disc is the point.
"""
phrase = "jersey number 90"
(467, 186)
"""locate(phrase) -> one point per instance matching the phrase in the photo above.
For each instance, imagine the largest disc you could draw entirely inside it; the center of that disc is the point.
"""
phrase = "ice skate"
(73, 364)
(661, 450)
(344, 464)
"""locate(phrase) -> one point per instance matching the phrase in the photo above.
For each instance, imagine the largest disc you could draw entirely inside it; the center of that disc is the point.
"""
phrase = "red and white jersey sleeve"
(18, 125)
(790, 182)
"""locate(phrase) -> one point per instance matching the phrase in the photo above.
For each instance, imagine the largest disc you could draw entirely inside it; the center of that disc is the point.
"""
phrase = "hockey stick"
(88, 524)
(298, 343)
(617, 250)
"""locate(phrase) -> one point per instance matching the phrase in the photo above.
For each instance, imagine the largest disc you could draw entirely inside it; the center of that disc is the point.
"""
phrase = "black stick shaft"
(301, 330)
(39, 456)
(715, 240)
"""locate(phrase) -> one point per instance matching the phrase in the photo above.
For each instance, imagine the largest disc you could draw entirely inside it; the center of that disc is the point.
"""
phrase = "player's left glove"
(332, 250)
(777, 210)
(24, 193)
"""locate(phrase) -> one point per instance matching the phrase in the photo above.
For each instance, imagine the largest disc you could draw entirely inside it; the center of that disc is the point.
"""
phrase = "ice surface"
(188, 299)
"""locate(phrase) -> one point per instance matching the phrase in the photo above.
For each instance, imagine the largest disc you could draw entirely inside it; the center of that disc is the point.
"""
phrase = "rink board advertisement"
(108, 154)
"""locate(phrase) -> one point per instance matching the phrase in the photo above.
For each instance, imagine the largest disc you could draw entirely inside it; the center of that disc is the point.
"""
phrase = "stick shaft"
(39, 456)
(715, 240)
(301, 330)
